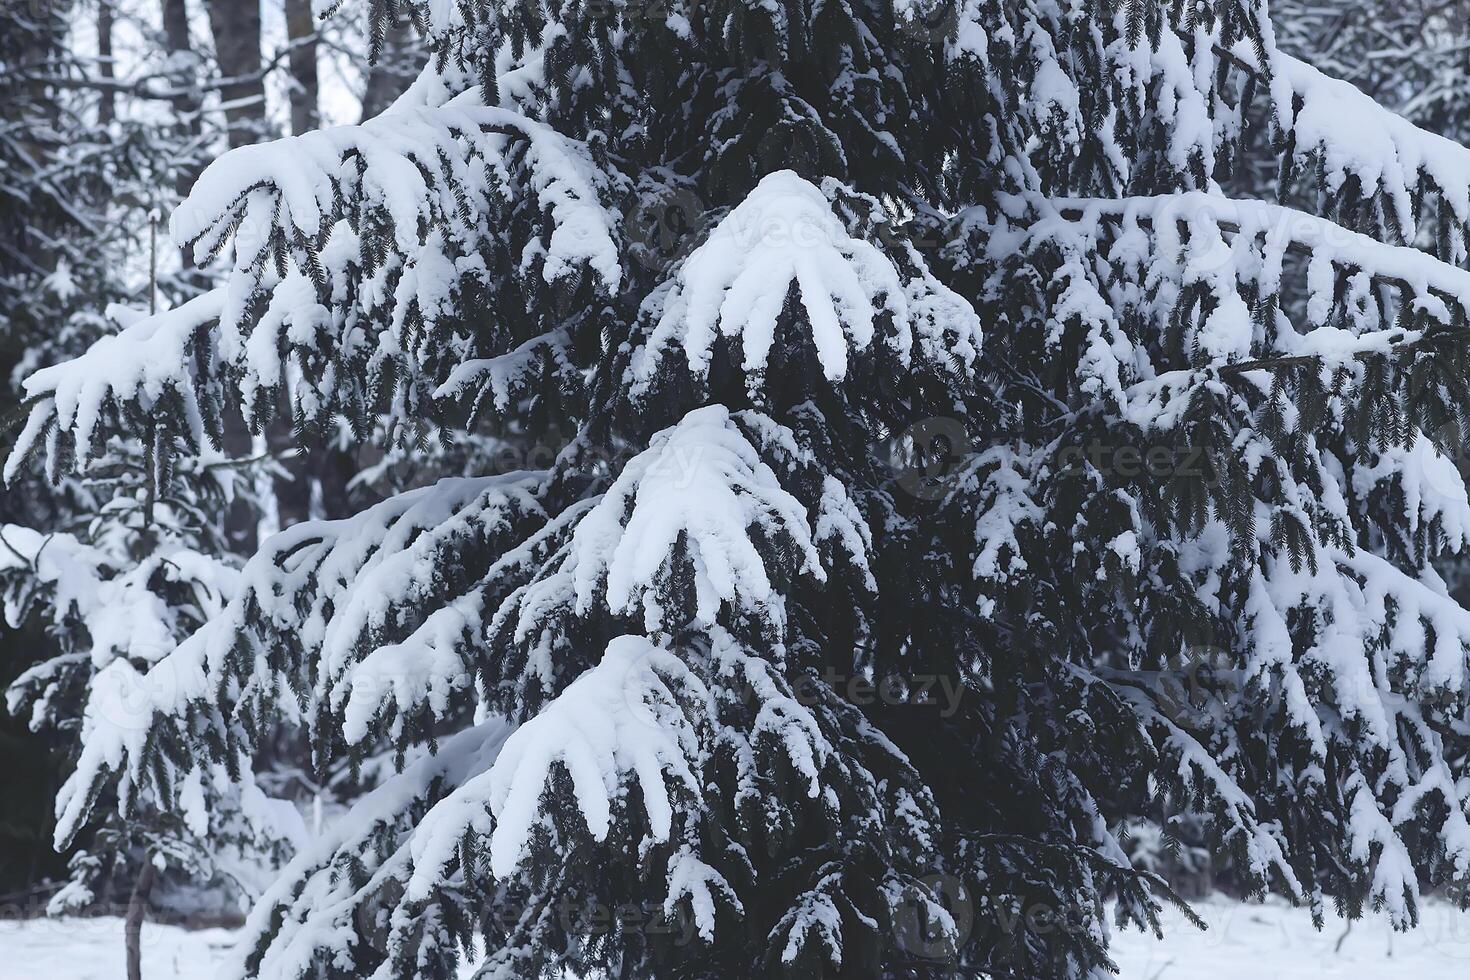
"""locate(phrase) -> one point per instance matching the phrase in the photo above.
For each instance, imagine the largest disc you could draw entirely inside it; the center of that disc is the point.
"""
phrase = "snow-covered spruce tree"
(683, 669)
(84, 162)
(117, 594)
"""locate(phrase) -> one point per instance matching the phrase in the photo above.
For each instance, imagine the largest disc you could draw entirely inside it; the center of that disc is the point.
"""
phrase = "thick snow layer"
(784, 235)
(145, 361)
(1208, 259)
(302, 177)
(703, 482)
(312, 905)
(432, 172)
(1274, 941)
(1265, 942)
(1358, 137)
(618, 718)
(92, 949)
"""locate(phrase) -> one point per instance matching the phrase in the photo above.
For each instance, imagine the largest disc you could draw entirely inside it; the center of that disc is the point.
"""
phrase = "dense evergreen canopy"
(909, 407)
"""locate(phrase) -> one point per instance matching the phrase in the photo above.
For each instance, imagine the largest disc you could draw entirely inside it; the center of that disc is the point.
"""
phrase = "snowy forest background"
(704, 488)
(112, 110)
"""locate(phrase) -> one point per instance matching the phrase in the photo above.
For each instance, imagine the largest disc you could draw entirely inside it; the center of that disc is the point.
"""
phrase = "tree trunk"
(184, 77)
(235, 25)
(301, 25)
(398, 64)
(107, 103)
(137, 911)
(181, 56)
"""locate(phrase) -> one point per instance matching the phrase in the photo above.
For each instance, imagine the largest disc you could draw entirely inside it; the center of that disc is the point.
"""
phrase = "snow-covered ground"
(92, 949)
(1274, 941)
(1260, 942)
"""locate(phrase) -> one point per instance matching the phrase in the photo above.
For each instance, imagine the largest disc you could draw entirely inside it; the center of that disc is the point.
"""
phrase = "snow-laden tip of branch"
(139, 364)
(316, 589)
(410, 162)
(380, 561)
(691, 878)
(312, 907)
(1208, 257)
(425, 668)
(1232, 251)
(1373, 841)
(1003, 508)
(1358, 137)
(784, 235)
(501, 379)
(620, 719)
(123, 614)
(702, 480)
(1198, 769)
(120, 713)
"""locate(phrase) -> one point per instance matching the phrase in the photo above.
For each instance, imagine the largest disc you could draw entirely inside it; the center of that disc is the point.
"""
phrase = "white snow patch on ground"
(92, 949)
(1262, 942)
(1274, 941)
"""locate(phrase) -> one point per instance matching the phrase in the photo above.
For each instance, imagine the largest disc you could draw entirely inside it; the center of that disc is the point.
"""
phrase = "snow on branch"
(502, 379)
(326, 593)
(123, 616)
(390, 555)
(1212, 268)
(1358, 139)
(702, 482)
(425, 167)
(784, 237)
(1435, 285)
(148, 365)
(1198, 769)
(380, 228)
(623, 718)
(121, 608)
(313, 909)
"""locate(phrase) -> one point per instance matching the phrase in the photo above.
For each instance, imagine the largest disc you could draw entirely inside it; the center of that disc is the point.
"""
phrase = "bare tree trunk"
(107, 103)
(399, 62)
(181, 55)
(133, 927)
(301, 25)
(184, 77)
(235, 25)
